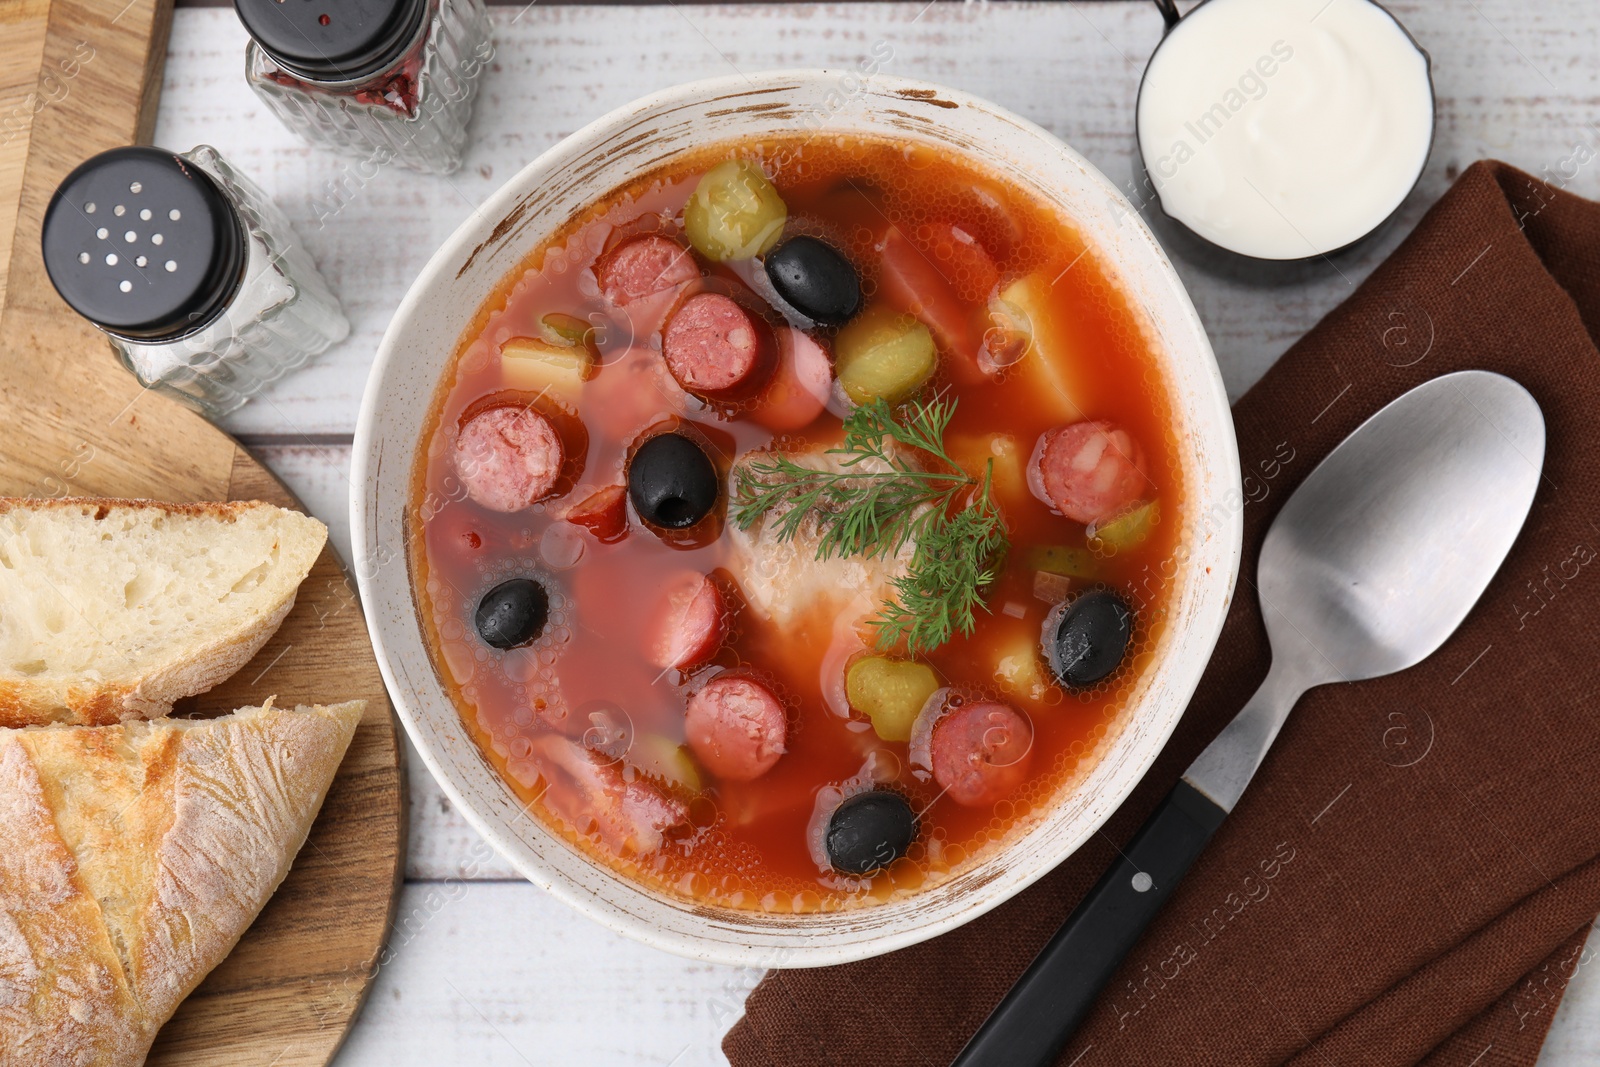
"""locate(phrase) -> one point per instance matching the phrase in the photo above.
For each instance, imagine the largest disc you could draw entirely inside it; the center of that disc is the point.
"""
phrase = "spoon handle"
(1037, 1017)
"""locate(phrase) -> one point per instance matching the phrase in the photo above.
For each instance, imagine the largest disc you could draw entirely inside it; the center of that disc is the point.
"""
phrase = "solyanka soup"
(798, 521)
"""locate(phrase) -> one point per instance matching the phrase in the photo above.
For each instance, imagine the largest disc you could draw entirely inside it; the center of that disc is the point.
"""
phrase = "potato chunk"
(536, 365)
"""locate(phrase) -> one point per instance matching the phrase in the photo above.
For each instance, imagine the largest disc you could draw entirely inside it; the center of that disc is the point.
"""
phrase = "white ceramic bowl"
(587, 165)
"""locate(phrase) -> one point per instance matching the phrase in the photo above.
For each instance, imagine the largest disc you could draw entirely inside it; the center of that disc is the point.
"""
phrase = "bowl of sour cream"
(1285, 130)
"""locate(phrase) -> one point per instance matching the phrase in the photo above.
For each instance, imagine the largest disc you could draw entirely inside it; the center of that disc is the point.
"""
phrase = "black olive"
(816, 280)
(870, 831)
(1092, 638)
(672, 482)
(513, 613)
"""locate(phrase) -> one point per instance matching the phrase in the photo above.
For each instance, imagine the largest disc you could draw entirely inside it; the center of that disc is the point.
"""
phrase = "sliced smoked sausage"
(691, 624)
(643, 266)
(1090, 471)
(800, 386)
(715, 347)
(736, 727)
(980, 752)
(508, 457)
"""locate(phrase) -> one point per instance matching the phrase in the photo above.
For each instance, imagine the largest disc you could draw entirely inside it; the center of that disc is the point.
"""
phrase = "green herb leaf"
(942, 590)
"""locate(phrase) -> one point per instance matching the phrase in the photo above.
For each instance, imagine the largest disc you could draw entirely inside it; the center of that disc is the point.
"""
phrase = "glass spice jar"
(191, 271)
(386, 80)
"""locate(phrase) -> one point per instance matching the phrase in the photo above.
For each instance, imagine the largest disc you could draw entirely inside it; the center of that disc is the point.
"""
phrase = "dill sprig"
(861, 509)
(941, 591)
(876, 509)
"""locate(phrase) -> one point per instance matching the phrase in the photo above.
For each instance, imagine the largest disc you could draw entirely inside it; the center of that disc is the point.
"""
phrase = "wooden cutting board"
(78, 77)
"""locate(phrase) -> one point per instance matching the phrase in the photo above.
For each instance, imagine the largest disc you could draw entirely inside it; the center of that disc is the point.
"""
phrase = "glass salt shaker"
(191, 271)
(380, 79)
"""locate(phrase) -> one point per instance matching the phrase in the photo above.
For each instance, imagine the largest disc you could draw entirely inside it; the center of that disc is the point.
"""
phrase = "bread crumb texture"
(112, 609)
(133, 857)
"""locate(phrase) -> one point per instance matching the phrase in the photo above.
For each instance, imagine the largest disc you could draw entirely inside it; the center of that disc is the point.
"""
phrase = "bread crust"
(52, 941)
(133, 857)
(84, 701)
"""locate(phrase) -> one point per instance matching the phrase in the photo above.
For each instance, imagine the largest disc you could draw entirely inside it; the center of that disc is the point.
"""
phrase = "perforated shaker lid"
(143, 244)
(332, 40)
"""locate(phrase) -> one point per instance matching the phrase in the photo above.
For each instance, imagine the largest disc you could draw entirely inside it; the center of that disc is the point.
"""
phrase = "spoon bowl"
(1368, 568)
(1382, 551)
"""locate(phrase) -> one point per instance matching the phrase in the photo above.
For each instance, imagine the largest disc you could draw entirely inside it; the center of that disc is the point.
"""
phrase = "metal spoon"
(1368, 568)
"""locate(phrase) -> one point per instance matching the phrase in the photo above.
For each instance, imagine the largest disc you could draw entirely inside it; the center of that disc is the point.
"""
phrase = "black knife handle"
(1036, 1019)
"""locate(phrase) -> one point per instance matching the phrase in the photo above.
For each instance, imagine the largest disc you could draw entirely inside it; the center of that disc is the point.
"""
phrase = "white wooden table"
(487, 969)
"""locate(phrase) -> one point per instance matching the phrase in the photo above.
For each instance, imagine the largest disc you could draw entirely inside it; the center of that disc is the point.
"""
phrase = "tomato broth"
(586, 694)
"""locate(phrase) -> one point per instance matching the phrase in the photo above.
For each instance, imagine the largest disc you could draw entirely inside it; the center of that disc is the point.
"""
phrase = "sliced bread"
(132, 859)
(112, 609)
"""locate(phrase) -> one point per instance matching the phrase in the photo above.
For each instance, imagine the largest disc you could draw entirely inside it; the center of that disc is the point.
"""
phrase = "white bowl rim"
(809, 947)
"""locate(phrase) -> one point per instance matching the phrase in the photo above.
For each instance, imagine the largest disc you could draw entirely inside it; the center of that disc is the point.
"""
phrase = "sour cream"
(1283, 129)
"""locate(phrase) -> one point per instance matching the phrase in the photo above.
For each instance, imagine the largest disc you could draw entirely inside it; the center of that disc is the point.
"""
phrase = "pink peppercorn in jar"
(385, 80)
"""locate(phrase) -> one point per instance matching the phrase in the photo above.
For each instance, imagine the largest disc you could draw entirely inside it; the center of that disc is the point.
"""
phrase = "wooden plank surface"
(494, 972)
(21, 50)
(76, 423)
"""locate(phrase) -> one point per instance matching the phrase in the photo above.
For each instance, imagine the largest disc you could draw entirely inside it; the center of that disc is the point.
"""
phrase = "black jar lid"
(143, 244)
(333, 40)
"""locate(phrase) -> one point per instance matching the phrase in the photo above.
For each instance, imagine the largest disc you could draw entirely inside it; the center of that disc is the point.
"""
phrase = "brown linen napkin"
(1411, 876)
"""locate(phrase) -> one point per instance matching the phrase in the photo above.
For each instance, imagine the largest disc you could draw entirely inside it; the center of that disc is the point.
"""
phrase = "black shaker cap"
(333, 40)
(143, 244)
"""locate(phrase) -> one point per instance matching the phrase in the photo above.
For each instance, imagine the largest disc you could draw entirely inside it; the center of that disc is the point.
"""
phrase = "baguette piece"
(112, 609)
(133, 857)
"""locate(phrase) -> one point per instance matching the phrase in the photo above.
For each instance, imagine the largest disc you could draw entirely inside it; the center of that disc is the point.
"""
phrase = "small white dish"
(1281, 131)
(609, 152)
